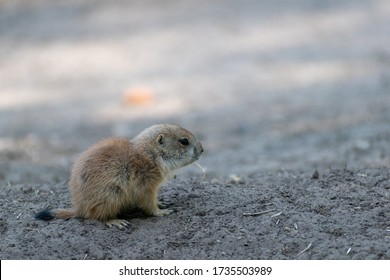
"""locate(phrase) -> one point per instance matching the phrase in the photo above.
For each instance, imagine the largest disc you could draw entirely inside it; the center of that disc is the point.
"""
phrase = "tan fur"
(117, 173)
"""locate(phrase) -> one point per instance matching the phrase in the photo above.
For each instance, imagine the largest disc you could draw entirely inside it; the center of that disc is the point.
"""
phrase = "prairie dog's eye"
(184, 142)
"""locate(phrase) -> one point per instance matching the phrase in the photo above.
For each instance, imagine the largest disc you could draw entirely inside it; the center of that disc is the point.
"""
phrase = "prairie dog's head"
(176, 146)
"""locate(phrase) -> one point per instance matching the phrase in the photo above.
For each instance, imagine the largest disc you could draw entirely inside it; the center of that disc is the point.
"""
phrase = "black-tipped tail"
(45, 215)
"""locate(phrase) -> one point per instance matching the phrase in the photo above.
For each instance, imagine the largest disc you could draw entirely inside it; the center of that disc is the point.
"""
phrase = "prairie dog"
(117, 173)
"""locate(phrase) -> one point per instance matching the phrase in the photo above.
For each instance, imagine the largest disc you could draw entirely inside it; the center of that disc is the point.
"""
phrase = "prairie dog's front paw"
(162, 212)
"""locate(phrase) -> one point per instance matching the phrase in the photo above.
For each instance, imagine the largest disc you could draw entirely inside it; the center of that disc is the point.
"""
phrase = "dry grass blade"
(304, 250)
(258, 213)
(277, 214)
(204, 169)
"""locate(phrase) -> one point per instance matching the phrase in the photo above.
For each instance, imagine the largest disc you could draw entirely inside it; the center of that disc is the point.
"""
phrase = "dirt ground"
(291, 100)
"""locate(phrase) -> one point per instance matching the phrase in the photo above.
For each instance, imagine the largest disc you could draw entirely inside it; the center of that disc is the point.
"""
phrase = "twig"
(258, 213)
(304, 250)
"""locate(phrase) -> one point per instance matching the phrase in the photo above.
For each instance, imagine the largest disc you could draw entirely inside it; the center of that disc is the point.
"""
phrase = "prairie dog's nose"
(200, 147)
(198, 150)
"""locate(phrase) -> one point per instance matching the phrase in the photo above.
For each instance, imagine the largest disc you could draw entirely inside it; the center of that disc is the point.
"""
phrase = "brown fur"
(117, 173)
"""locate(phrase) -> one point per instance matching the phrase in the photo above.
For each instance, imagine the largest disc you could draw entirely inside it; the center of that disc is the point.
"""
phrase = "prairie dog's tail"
(50, 214)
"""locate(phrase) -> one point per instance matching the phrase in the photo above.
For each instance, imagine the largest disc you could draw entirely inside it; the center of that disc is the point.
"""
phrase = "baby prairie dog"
(117, 173)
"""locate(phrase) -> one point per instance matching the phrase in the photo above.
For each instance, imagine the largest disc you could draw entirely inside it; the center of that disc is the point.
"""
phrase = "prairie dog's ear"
(159, 139)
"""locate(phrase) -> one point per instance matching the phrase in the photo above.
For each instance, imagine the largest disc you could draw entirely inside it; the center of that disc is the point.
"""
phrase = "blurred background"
(265, 85)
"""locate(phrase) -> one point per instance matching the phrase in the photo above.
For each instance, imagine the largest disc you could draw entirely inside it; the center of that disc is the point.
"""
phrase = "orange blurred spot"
(138, 96)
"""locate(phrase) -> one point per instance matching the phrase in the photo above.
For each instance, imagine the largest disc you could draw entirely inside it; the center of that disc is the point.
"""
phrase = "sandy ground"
(291, 100)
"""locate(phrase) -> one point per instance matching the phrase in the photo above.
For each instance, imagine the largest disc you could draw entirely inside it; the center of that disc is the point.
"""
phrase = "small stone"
(201, 213)
(315, 175)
